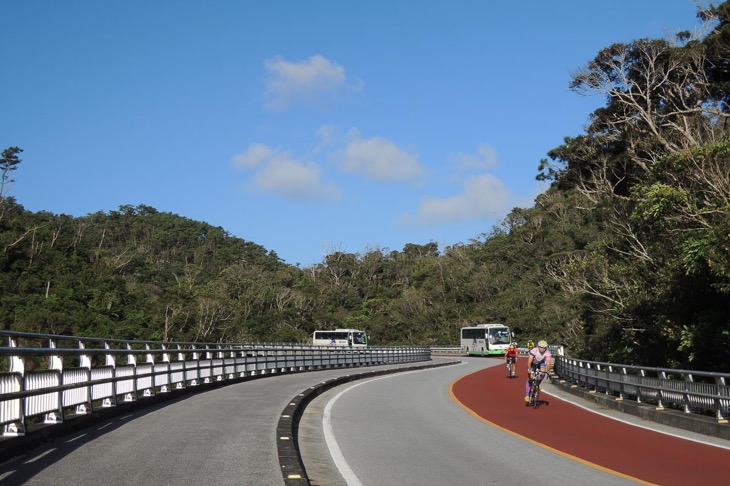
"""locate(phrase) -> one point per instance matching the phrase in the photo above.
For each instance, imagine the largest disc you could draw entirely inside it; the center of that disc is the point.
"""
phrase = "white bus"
(340, 337)
(485, 339)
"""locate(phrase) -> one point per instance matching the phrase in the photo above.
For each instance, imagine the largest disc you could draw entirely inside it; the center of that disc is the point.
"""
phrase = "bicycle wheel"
(511, 369)
(534, 393)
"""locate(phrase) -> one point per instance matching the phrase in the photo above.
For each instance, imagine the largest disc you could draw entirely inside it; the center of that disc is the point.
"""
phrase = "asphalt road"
(399, 429)
(405, 429)
(224, 436)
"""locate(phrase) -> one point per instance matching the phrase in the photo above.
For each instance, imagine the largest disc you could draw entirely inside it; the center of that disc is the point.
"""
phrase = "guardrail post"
(231, 368)
(195, 357)
(132, 361)
(685, 396)
(609, 378)
(721, 387)
(209, 358)
(220, 356)
(181, 358)
(622, 385)
(149, 386)
(85, 363)
(15, 408)
(241, 362)
(17, 363)
(662, 376)
(55, 363)
(642, 375)
(148, 356)
(581, 375)
(165, 388)
(110, 360)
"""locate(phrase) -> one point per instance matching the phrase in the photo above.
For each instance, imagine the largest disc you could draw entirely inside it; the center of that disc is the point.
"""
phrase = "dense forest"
(625, 258)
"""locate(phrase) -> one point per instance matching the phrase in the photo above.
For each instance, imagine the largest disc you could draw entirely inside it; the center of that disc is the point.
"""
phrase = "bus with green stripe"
(485, 339)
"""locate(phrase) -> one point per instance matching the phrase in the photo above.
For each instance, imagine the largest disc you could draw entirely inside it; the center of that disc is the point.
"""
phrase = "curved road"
(429, 427)
(468, 425)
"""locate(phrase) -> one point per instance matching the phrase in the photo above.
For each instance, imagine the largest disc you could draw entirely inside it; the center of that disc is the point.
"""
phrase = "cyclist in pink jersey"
(540, 358)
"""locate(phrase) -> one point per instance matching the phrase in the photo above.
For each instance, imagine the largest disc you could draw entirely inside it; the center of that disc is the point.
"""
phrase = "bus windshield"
(359, 337)
(499, 335)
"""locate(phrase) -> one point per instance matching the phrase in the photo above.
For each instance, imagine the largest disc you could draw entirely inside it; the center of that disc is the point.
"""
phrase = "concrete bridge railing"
(52, 377)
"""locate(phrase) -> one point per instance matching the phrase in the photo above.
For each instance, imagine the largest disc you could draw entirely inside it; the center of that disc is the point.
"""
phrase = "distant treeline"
(626, 258)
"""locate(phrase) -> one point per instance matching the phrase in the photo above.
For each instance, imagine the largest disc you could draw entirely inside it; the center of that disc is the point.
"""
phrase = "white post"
(110, 360)
(16, 365)
(55, 363)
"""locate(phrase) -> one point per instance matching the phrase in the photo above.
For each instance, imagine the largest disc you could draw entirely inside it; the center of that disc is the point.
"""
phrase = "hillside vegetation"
(625, 258)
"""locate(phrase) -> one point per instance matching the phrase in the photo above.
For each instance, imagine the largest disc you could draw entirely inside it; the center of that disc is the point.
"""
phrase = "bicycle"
(534, 389)
(511, 368)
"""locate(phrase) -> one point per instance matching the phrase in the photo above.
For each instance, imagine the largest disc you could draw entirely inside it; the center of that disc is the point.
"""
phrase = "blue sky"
(306, 127)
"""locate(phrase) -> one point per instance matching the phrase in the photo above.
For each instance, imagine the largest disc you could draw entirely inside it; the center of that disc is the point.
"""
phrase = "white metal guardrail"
(50, 377)
(445, 349)
(689, 391)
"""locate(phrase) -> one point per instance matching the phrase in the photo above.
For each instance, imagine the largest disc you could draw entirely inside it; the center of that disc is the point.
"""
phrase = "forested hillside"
(625, 258)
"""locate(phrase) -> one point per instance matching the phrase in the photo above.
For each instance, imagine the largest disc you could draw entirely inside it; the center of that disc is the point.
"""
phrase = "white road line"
(6, 474)
(39, 456)
(347, 473)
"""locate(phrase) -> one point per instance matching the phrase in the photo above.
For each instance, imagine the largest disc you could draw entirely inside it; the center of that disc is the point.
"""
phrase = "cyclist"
(511, 355)
(538, 359)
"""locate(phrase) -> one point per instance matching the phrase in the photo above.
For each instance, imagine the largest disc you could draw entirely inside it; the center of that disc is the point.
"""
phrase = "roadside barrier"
(51, 378)
(688, 391)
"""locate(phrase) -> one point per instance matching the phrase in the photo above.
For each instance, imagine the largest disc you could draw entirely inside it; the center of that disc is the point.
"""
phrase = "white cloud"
(275, 171)
(485, 158)
(327, 136)
(310, 81)
(378, 158)
(484, 196)
(253, 157)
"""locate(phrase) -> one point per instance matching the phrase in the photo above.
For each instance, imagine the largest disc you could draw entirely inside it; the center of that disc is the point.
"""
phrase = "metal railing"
(445, 349)
(50, 377)
(689, 391)
(556, 350)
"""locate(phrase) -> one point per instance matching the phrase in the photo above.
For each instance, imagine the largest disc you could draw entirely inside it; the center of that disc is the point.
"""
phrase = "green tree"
(9, 161)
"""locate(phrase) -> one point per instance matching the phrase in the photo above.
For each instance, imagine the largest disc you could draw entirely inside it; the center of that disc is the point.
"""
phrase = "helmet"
(511, 345)
(542, 344)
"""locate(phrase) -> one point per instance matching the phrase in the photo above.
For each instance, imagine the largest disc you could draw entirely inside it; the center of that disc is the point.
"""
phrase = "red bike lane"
(607, 444)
